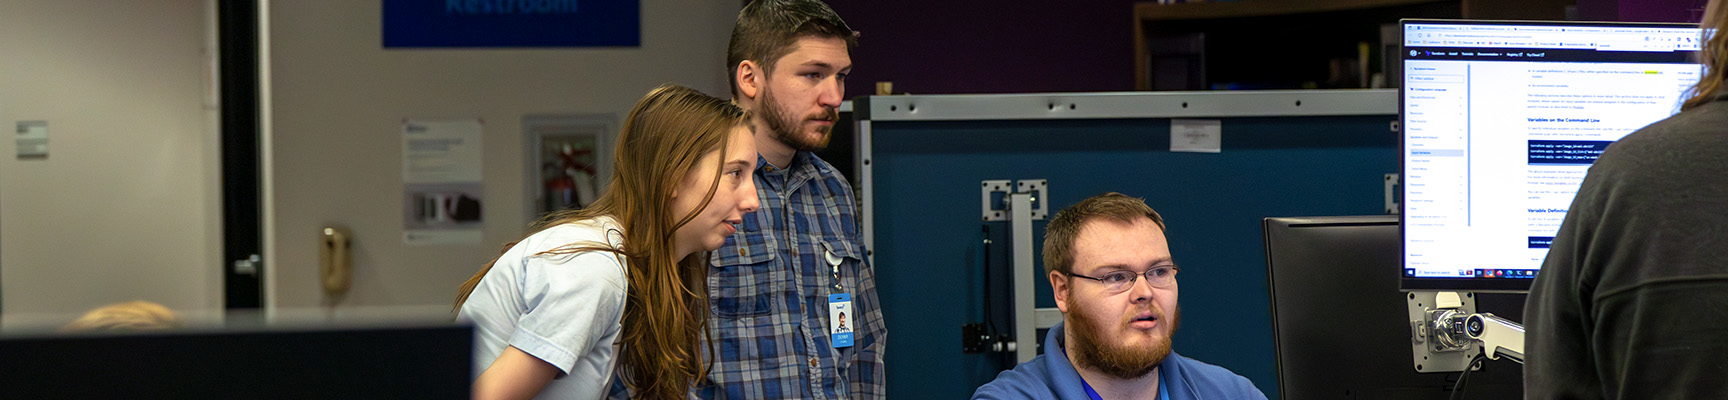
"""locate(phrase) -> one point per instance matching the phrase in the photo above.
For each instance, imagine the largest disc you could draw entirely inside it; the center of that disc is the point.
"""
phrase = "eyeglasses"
(1118, 281)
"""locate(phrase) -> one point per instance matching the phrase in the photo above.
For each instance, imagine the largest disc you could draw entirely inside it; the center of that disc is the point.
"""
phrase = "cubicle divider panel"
(931, 270)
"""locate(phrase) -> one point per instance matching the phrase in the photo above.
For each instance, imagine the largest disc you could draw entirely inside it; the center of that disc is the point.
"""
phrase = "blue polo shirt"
(1051, 376)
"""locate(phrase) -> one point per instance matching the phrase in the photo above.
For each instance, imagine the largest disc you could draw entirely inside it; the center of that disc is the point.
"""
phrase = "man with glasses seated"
(1110, 267)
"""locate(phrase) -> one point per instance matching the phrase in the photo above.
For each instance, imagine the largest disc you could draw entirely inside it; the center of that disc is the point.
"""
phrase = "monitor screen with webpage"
(1501, 120)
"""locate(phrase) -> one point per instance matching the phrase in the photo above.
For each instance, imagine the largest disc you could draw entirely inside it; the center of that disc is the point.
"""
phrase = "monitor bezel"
(1314, 299)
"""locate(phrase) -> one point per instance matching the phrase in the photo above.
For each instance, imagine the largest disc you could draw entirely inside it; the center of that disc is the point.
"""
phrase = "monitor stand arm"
(1498, 335)
(1446, 332)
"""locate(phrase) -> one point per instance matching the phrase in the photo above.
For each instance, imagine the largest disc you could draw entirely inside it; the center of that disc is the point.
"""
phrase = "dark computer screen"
(430, 362)
(1339, 321)
(1501, 120)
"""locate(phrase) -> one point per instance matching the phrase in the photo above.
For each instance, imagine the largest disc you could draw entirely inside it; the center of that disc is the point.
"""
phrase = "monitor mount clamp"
(1446, 332)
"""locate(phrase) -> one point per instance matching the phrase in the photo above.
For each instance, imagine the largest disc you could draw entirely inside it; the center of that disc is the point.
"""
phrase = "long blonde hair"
(666, 308)
(1713, 54)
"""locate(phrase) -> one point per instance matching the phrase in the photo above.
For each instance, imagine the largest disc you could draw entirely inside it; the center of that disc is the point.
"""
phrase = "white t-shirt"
(562, 309)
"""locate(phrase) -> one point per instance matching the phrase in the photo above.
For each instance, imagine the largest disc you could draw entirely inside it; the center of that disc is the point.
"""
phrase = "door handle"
(248, 266)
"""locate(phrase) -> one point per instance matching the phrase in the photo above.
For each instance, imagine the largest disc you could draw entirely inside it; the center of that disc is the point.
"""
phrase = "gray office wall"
(126, 205)
(335, 104)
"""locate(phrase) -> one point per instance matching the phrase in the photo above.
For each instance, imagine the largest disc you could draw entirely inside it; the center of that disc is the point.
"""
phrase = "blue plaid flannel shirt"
(768, 291)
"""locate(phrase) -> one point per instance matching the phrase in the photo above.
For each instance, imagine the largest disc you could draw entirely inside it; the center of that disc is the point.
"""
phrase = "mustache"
(827, 114)
(1157, 314)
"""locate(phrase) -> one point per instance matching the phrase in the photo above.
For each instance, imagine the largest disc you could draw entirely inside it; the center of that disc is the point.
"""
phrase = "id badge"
(840, 320)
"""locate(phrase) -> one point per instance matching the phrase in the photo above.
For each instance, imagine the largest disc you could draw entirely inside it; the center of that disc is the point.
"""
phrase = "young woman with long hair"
(622, 283)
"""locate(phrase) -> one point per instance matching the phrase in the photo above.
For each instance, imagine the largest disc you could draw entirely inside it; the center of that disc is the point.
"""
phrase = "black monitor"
(1501, 119)
(1339, 321)
(423, 362)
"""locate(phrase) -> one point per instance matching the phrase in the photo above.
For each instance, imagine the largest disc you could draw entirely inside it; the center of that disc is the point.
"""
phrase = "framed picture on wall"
(568, 159)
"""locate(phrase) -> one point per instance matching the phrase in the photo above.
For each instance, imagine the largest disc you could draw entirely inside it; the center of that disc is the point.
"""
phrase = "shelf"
(1150, 11)
(1213, 44)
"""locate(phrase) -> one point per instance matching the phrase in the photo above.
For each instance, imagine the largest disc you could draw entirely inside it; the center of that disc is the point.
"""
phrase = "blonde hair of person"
(125, 317)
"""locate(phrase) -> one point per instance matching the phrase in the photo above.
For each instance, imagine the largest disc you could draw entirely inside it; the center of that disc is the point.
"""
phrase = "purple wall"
(1641, 10)
(1002, 46)
(1021, 46)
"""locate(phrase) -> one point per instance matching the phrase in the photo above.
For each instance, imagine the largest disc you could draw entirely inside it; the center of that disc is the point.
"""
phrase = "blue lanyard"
(1163, 390)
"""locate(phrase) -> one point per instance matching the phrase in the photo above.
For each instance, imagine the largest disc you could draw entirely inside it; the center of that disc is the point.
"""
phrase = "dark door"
(241, 225)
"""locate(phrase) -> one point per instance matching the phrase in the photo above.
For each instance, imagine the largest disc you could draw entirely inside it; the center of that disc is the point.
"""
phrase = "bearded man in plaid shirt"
(780, 284)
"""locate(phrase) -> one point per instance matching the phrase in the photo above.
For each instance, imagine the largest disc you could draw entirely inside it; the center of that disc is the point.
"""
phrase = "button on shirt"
(769, 286)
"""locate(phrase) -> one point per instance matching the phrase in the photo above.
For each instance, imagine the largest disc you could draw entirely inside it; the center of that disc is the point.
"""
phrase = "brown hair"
(767, 29)
(1064, 228)
(666, 306)
(1713, 54)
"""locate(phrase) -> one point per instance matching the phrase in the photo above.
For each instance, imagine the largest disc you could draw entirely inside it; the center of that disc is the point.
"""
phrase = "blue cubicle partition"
(922, 160)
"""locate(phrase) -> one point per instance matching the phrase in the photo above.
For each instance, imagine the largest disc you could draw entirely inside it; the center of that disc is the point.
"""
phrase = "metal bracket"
(995, 202)
(1433, 348)
(1039, 189)
(1021, 205)
(1392, 193)
(994, 208)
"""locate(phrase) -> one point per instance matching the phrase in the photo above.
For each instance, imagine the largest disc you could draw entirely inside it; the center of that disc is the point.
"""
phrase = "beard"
(1091, 349)
(786, 127)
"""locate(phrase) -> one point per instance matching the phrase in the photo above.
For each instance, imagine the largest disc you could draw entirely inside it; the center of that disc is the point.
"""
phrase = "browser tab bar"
(1536, 36)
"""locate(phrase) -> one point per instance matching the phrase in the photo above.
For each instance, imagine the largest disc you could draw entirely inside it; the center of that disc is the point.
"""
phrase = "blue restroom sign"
(512, 23)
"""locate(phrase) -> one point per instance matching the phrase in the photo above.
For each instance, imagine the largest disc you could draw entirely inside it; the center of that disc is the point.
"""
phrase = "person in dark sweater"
(1632, 300)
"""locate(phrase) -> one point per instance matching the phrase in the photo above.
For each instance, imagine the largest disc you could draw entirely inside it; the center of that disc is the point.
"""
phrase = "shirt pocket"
(843, 255)
(742, 279)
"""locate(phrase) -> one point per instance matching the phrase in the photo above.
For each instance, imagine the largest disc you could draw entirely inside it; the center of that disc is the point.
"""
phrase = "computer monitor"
(402, 362)
(1501, 120)
(1338, 318)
